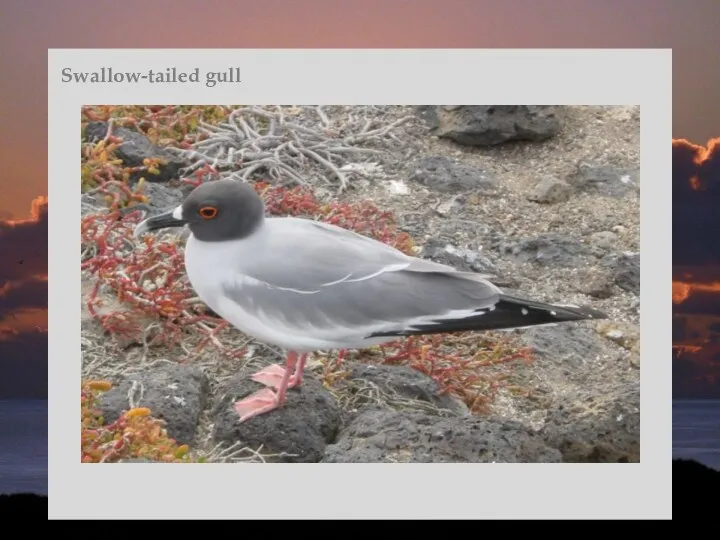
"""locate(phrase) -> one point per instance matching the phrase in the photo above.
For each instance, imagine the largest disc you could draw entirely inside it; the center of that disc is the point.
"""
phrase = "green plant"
(164, 125)
(136, 434)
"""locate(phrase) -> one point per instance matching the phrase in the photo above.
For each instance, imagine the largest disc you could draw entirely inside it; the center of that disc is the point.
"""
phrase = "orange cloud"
(23, 244)
(700, 160)
(681, 291)
(702, 153)
(696, 202)
(26, 294)
(23, 273)
(38, 207)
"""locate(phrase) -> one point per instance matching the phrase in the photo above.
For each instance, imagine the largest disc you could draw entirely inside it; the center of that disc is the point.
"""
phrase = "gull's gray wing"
(349, 311)
(306, 255)
(334, 288)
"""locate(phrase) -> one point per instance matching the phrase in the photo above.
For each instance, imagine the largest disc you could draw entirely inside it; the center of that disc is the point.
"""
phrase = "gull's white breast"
(213, 266)
(210, 267)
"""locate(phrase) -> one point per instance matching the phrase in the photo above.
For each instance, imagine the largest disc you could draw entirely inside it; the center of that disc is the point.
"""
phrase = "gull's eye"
(208, 212)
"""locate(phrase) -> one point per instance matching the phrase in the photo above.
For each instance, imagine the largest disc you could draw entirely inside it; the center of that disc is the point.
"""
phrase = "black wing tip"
(509, 312)
(575, 313)
(564, 312)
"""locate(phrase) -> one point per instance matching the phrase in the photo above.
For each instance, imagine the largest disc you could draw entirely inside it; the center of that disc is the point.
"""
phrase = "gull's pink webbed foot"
(256, 404)
(274, 376)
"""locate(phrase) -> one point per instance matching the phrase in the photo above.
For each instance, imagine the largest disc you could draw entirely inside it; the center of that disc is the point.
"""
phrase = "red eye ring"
(208, 212)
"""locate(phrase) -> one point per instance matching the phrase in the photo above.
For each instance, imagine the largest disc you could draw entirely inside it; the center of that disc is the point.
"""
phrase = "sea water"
(696, 431)
(23, 446)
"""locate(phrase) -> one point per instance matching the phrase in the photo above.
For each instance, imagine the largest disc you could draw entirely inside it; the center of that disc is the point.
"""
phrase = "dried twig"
(257, 141)
(238, 453)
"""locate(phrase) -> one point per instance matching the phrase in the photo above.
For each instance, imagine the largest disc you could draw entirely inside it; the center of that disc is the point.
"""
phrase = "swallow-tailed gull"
(307, 286)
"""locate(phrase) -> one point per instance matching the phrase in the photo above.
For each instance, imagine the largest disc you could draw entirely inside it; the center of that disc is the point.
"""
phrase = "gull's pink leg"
(297, 377)
(292, 359)
(266, 400)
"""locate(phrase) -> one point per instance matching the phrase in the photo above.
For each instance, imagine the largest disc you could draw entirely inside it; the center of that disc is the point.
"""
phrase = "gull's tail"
(508, 312)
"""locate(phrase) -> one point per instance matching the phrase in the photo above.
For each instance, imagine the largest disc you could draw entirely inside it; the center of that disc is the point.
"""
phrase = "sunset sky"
(696, 200)
(29, 28)
(696, 267)
(23, 303)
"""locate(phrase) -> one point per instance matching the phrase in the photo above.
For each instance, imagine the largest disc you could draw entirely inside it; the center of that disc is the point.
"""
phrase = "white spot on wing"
(524, 311)
(177, 213)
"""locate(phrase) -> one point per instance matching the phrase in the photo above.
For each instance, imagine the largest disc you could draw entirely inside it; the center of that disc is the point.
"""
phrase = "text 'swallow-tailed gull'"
(308, 286)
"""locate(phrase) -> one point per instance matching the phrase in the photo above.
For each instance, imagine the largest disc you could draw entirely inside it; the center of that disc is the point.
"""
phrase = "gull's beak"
(161, 221)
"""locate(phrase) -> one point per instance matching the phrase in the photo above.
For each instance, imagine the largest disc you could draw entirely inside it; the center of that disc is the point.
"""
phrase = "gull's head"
(214, 211)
